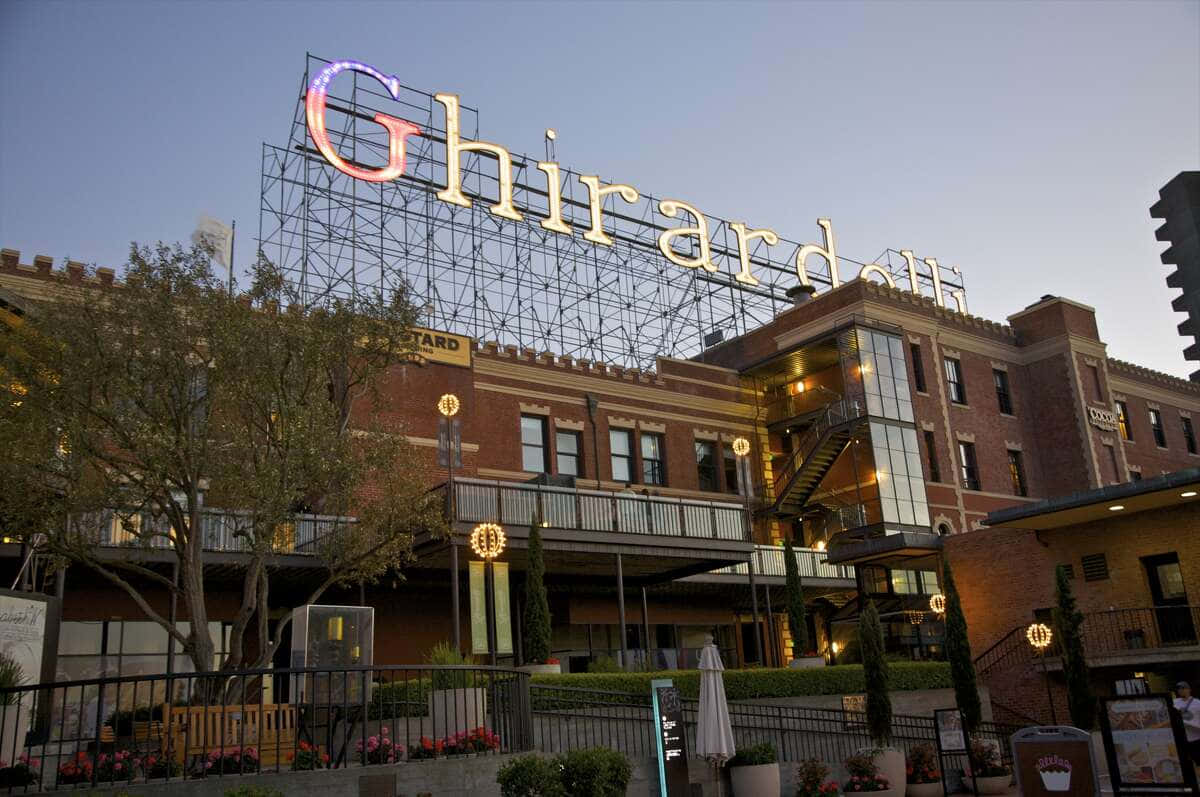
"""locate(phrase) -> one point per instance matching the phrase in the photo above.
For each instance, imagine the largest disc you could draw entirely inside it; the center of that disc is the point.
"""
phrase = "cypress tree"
(537, 606)
(875, 673)
(958, 652)
(795, 602)
(1068, 621)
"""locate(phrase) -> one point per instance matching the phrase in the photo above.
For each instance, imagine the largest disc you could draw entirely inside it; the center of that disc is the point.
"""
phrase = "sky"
(1023, 142)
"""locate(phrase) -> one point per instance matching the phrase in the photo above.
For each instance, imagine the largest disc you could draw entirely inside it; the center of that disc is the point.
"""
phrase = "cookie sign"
(1055, 761)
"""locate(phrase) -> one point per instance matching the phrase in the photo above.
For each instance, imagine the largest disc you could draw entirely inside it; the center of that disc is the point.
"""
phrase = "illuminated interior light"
(797, 387)
(398, 129)
(1188, 494)
(455, 146)
(596, 196)
(670, 208)
(828, 251)
(835, 647)
(745, 236)
(1116, 507)
(820, 546)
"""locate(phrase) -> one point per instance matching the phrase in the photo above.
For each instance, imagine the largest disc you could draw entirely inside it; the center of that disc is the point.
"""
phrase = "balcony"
(769, 568)
(661, 538)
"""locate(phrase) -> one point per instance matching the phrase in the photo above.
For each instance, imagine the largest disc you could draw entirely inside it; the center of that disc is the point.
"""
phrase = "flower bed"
(380, 749)
(479, 740)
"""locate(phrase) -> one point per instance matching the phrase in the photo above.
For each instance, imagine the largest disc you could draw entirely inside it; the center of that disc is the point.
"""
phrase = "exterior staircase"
(818, 448)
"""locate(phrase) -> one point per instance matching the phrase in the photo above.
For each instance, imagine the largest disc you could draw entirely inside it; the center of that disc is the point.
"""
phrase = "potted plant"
(11, 675)
(888, 761)
(864, 774)
(456, 702)
(986, 771)
(537, 608)
(811, 779)
(755, 771)
(924, 776)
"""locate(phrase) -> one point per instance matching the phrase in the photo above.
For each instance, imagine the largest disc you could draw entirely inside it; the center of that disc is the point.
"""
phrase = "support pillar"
(772, 641)
(489, 588)
(621, 611)
(456, 620)
(646, 625)
(758, 642)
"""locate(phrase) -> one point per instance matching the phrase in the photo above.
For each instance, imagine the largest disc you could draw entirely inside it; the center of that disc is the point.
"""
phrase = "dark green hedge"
(757, 683)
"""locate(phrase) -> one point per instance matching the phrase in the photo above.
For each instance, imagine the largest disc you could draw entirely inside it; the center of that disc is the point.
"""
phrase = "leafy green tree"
(958, 652)
(797, 625)
(537, 606)
(1069, 621)
(875, 673)
(164, 397)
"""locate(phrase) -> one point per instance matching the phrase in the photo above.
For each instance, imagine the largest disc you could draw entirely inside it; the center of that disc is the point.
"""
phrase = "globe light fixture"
(448, 405)
(938, 603)
(741, 446)
(487, 540)
(1039, 635)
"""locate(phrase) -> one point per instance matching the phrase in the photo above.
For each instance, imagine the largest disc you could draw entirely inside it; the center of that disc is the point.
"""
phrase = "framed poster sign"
(1143, 740)
(857, 705)
(1055, 760)
(949, 724)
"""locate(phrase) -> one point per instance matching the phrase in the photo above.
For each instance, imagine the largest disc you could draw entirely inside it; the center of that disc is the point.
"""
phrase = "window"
(954, 381)
(899, 474)
(935, 472)
(918, 365)
(1123, 420)
(731, 470)
(568, 449)
(1095, 567)
(875, 580)
(1003, 397)
(706, 465)
(620, 442)
(884, 373)
(654, 466)
(904, 582)
(1135, 475)
(1156, 426)
(929, 582)
(1016, 470)
(533, 444)
(970, 468)
(1189, 435)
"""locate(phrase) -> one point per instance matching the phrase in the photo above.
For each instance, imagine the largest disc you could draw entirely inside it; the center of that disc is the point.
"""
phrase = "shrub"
(598, 772)
(984, 760)
(754, 756)
(400, 698)
(604, 664)
(444, 654)
(864, 775)
(811, 779)
(75, 770)
(308, 757)
(478, 740)
(797, 625)
(530, 776)
(231, 761)
(537, 605)
(23, 773)
(875, 671)
(958, 653)
(380, 749)
(157, 765)
(117, 767)
(922, 764)
(1069, 621)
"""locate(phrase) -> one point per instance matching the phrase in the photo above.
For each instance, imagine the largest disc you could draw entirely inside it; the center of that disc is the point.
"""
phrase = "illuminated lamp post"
(448, 406)
(1040, 636)
(741, 449)
(487, 540)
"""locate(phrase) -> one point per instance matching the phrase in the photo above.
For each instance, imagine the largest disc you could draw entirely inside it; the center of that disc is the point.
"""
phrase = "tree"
(145, 405)
(958, 652)
(797, 624)
(1068, 621)
(875, 673)
(537, 606)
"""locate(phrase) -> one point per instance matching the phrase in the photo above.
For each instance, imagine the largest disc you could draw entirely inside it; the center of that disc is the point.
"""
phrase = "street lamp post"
(1040, 636)
(741, 449)
(487, 540)
(448, 406)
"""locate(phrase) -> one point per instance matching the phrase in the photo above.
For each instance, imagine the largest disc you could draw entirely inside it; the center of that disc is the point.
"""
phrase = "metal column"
(457, 621)
(762, 657)
(621, 611)
(646, 624)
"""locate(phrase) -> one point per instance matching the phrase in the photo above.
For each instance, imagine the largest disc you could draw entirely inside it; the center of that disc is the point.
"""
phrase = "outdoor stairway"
(818, 449)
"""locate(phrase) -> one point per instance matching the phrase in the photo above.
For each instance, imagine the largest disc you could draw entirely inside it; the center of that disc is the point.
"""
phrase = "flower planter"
(807, 662)
(457, 710)
(993, 784)
(541, 669)
(924, 789)
(892, 766)
(761, 780)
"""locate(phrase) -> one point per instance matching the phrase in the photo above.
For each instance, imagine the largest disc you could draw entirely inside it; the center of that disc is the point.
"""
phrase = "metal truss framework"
(509, 281)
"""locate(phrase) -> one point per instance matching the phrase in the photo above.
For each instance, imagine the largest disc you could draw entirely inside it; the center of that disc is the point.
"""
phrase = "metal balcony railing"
(517, 504)
(221, 530)
(801, 404)
(837, 413)
(811, 563)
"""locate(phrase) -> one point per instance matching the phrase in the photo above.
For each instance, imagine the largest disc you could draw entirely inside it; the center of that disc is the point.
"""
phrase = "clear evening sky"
(1022, 141)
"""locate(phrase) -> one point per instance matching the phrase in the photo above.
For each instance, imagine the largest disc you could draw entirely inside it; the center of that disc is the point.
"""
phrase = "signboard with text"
(671, 739)
(1055, 760)
(1144, 742)
(951, 738)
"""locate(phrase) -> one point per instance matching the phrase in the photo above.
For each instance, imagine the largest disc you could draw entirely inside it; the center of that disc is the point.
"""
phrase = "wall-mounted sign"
(1143, 740)
(1055, 761)
(672, 740)
(442, 347)
(1102, 418)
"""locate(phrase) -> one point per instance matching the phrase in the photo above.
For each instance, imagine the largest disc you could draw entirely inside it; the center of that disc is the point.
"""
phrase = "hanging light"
(938, 603)
(915, 616)
(487, 540)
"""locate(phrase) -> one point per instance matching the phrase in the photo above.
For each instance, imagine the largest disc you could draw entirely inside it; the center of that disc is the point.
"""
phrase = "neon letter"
(398, 129)
(936, 275)
(596, 195)
(913, 284)
(455, 146)
(670, 208)
(875, 268)
(554, 223)
(744, 237)
(828, 251)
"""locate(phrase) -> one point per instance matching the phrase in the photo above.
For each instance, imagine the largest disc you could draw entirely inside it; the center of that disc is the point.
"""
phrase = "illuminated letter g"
(398, 129)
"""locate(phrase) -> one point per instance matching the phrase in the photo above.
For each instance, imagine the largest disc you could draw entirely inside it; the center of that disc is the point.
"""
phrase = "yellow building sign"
(442, 347)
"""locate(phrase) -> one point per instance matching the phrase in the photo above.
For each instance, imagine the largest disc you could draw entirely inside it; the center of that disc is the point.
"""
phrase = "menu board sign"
(672, 740)
(950, 730)
(1142, 740)
(1055, 760)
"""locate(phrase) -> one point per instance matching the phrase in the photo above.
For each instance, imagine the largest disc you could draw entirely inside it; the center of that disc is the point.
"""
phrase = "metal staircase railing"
(835, 414)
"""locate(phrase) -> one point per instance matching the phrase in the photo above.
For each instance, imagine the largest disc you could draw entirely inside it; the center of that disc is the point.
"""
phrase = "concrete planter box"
(924, 790)
(892, 766)
(457, 710)
(541, 669)
(996, 784)
(761, 780)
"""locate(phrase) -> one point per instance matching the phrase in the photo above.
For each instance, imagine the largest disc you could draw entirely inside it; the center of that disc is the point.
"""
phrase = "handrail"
(835, 413)
(768, 561)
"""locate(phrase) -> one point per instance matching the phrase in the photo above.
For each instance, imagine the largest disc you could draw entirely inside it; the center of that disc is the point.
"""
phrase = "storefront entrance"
(1172, 612)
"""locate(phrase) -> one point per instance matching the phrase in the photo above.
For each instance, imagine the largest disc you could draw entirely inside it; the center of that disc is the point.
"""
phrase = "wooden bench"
(199, 730)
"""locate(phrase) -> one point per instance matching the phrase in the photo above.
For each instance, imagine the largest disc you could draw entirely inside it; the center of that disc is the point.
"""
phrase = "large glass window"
(899, 474)
(1123, 420)
(533, 444)
(1156, 426)
(654, 463)
(706, 465)
(969, 465)
(884, 375)
(620, 443)
(567, 449)
(954, 381)
(1003, 397)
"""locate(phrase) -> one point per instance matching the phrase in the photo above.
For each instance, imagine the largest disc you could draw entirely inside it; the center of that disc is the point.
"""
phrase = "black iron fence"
(108, 731)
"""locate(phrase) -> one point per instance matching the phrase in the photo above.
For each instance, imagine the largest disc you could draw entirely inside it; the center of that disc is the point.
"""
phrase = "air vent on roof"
(1095, 567)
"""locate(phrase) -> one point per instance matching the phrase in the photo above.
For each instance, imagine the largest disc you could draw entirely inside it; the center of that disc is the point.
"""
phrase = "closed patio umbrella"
(714, 735)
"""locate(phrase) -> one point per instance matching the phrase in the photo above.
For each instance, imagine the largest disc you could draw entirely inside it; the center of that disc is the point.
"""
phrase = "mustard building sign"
(442, 347)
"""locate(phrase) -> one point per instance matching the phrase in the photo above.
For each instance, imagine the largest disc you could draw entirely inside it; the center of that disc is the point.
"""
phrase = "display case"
(331, 638)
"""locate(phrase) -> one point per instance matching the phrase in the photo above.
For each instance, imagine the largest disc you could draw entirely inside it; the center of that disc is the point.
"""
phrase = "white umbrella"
(714, 735)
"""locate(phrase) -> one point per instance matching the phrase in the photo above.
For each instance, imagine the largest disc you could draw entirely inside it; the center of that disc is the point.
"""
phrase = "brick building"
(881, 424)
